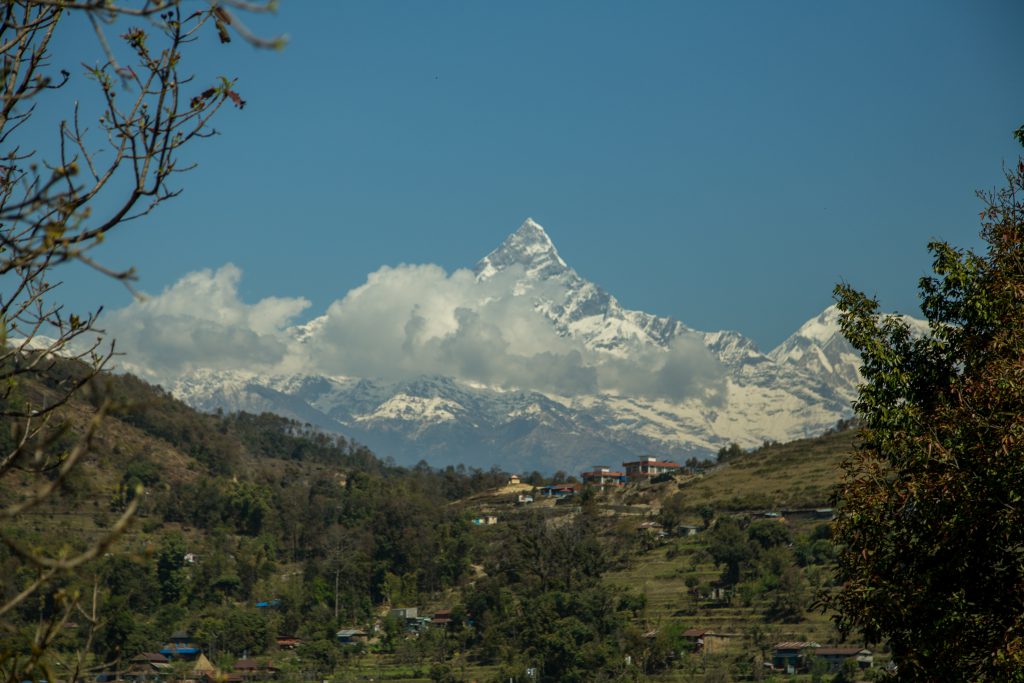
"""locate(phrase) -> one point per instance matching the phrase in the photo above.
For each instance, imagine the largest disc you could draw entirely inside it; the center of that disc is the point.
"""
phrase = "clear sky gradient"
(722, 163)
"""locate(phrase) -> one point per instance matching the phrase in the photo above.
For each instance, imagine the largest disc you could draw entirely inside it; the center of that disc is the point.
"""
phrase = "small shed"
(351, 636)
(706, 641)
(404, 612)
(790, 654)
(251, 670)
(442, 618)
(288, 642)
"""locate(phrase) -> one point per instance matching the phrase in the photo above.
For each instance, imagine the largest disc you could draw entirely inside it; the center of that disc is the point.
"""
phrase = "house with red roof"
(602, 477)
(648, 467)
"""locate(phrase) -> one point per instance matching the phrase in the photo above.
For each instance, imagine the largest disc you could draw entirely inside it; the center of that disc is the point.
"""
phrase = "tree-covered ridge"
(257, 494)
(237, 511)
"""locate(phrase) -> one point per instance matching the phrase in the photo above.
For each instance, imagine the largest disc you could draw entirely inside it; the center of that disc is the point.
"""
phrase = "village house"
(790, 656)
(147, 666)
(251, 670)
(557, 490)
(288, 642)
(701, 640)
(411, 617)
(513, 480)
(602, 477)
(352, 636)
(405, 613)
(793, 656)
(835, 656)
(648, 467)
(441, 618)
(181, 646)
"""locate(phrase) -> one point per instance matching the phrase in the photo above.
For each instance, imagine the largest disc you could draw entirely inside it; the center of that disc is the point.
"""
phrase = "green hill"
(240, 510)
(799, 474)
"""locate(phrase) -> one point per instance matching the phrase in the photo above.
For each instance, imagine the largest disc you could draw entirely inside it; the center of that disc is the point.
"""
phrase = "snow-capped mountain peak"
(735, 393)
(821, 328)
(529, 247)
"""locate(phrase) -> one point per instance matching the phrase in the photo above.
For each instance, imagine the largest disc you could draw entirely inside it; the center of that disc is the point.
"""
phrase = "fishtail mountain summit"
(652, 385)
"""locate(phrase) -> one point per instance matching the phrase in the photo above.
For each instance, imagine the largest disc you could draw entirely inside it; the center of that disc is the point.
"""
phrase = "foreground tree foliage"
(112, 159)
(931, 523)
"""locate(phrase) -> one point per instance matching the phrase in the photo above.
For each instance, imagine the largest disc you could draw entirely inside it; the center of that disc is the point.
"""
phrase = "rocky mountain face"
(798, 389)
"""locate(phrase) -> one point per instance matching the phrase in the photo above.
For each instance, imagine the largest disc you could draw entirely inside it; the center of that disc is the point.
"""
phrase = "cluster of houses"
(410, 618)
(415, 622)
(796, 656)
(789, 657)
(603, 478)
(150, 667)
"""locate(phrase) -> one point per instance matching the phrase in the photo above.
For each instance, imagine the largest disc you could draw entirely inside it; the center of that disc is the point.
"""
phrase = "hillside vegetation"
(798, 474)
(257, 534)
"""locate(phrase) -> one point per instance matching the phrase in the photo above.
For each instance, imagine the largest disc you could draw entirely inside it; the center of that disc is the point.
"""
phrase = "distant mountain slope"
(145, 429)
(796, 390)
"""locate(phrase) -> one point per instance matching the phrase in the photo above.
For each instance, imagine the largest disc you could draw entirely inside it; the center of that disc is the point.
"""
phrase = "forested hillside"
(259, 536)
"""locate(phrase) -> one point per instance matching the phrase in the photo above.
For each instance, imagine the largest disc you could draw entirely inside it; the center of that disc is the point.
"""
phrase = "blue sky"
(722, 163)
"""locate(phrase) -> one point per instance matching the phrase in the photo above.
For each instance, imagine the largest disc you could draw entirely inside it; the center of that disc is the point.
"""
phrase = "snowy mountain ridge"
(741, 394)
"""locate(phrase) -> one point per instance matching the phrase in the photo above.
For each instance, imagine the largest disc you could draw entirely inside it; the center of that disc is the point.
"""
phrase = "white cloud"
(413, 320)
(687, 369)
(200, 322)
(405, 321)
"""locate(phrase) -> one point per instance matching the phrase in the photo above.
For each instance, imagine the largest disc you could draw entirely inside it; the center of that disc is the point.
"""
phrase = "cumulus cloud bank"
(199, 322)
(405, 321)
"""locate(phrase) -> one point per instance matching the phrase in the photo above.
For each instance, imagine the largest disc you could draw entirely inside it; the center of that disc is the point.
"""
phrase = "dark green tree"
(788, 598)
(170, 568)
(730, 452)
(768, 534)
(322, 654)
(245, 631)
(931, 519)
(707, 515)
(671, 514)
(728, 545)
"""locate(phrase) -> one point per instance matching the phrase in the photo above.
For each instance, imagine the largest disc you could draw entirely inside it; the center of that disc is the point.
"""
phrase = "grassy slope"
(799, 474)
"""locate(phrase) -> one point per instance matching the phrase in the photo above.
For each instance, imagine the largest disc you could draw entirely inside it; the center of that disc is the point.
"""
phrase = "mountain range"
(712, 388)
